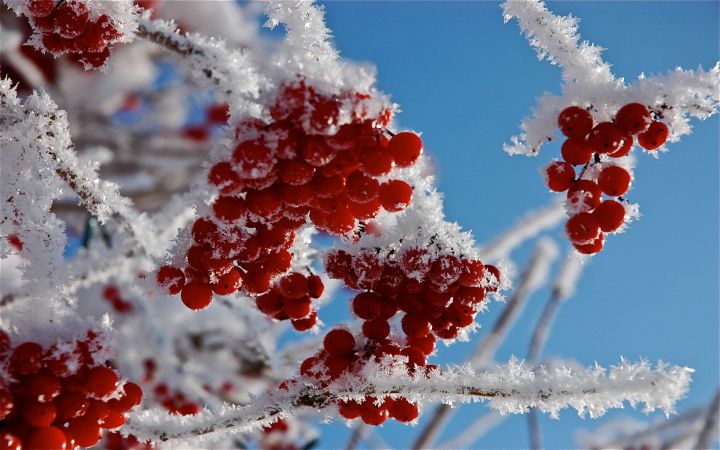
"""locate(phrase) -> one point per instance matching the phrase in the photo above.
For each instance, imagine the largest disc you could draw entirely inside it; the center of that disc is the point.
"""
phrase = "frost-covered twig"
(532, 278)
(510, 388)
(588, 81)
(474, 431)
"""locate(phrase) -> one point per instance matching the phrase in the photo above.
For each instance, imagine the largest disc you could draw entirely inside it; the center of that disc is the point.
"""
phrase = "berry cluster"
(595, 146)
(291, 300)
(59, 398)
(341, 354)
(310, 163)
(67, 27)
(438, 294)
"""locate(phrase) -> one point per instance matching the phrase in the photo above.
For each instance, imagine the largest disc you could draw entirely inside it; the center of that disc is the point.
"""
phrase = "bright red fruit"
(593, 247)
(614, 181)
(71, 19)
(624, 149)
(402, 410)
(315, 286)
(349, 409)
(38, 414)
(101, 381)
(584, 195)
(654, 137)
(339, 342)
(171, 278)
(85, 431)
(377, 329)
(305, 323)
(633, 118)
(361, 188)
(6, 404)
(395, 195)
(26, 359)
(372, 414)
(405, 148)
(42, 387)
(606, 137)
(196, 295)
(48, 438)
(582, 228)
(228, 283)
(610, 215)
(9, 441)
(576, 151)
(367, 305)
(575, 122)
(229, 208)
(415, 325)
(559, 176)
(41, 8)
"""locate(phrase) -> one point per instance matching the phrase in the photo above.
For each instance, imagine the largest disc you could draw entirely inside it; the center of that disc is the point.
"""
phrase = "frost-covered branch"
(710, 424)
(510, 388)
(588, 81)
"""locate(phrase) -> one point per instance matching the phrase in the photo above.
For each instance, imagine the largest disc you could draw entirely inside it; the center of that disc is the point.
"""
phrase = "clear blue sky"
(466, 79)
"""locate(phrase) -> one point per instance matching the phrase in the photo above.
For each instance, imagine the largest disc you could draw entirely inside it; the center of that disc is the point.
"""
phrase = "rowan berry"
(593, 247)
(415, 325)
(633, 118)
(48, 437)
(395, 195)
(339, 342)
(576, 151)
(606, 137)
(654, 137)
(614, 181)
(610, 215)
(584, 195)
(582, 228)
(402, 410)
(575, 122)
(196, 295)
(405, 148)
(228, 283)
(41, 8)
(171, 279)
(559, 176)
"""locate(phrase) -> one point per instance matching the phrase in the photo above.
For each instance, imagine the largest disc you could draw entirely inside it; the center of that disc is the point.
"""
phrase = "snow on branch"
(510, 388)
(588, 81)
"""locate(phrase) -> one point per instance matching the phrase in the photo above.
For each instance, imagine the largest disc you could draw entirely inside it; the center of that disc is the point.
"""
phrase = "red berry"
(270, 303)
(328, 186)
(264, 204)
(415, 262)
(614, 181)
(101, 381)
(171, 279)
(377, 329)
(317, 152)
(575, 122)
(559, 176)
(633, 118)
(41, 8)
(315, 286)
(364, 211)
(38, 414)
(593, 247)
(257, 282)
(402, 410)
(224, 176)
(296, 172)
(425, 344)
(654, 137)
(26, 359)
(85, 430)
(6, 404)
(42, 387)
(446, 270)
(47, 438)
(218, 113)
(606, 137)
(582, 228)
(473, 272)
(627, 144)
(349, 409)
(361, 188)
(71, 404)
(584, 195)
(98, 410)
(415, 356)
(415, 325)
(376, 162)
(196, 295)
(229, 208)
(576, 151)
(367, 305)
(338, 264)
(339, 342)
(228, 283)
(372, 414)
(610, 215)
(305, 323)
(405, 148)
(294, 285)
(297, 308)
(253, 159)
(367, 267)
(9, 441)
(71, 19)
(114, 419)
(395, 195)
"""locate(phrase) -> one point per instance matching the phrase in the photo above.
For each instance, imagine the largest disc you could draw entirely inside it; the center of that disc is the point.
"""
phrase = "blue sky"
(465, 80)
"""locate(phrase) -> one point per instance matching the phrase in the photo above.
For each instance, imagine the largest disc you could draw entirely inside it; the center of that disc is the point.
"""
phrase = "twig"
(711, 420)
(357, 435)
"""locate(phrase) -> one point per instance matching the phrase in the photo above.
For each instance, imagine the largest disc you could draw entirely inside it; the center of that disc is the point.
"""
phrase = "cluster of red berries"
(59, 398)
(111, 294)
(116, 441)
(176, 403)
(278, 436)
(291, 299)
(67, 27)
(302, 166)
(587, 143)
(341, 354)
(438, 294)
